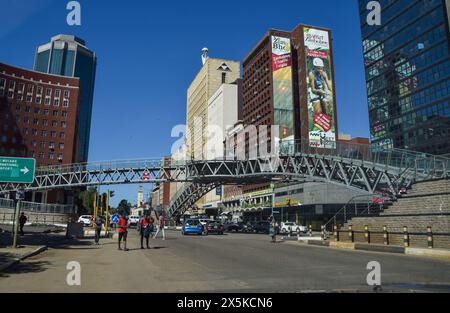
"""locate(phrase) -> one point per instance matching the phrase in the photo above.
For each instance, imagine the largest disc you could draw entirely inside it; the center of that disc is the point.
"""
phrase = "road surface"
(238, 263)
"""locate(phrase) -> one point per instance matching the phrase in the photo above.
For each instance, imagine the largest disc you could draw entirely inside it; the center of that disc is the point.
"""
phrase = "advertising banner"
(282, 86)
(321, 115)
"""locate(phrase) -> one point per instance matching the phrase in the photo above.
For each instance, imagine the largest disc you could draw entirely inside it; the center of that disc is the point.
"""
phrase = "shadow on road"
(24, 268)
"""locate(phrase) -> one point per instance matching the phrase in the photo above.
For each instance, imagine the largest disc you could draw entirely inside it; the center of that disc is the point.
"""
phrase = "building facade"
(407, 64)
(39, 117)
(211, 76)
(68, 56)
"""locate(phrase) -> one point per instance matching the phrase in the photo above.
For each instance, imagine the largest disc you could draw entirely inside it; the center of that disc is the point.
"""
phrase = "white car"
(204, 222)
(86, 220)
(133, 220)
(286, 226)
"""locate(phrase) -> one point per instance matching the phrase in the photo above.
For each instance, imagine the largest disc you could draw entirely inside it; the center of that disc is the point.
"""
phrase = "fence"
(405, 238)
(38, 207)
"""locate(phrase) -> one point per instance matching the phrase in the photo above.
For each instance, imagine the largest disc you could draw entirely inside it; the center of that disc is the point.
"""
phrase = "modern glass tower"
(407, 63)
(68, 56)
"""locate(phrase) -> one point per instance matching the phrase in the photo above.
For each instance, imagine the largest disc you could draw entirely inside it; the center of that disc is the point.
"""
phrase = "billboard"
(282, 86)
(319, 79)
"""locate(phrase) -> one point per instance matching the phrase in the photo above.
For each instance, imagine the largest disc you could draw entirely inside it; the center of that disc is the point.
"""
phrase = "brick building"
(38, 119)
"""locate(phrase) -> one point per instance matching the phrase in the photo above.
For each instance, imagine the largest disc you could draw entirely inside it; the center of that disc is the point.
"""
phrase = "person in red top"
(145, 229)
(123, 232)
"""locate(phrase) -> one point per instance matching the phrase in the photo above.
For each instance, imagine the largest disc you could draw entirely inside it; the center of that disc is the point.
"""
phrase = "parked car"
(133, 220)
(234, 227)
(262, 227)
(86, 220)
(215, 227)
(205, 221)
(285, 226)
(192, 227)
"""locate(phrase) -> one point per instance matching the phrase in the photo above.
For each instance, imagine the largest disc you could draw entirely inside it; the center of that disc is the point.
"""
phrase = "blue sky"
(149, 51)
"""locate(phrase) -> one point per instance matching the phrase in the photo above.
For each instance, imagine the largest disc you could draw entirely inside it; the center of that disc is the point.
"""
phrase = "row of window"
(39, 96)
(384, 59)
(37, 110)
(425, 15)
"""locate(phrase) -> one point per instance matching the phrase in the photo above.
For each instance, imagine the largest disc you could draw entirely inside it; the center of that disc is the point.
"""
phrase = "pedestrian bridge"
(365, 167)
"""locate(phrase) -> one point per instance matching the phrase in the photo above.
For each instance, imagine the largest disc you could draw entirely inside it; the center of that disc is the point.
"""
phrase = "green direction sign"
(17, 170)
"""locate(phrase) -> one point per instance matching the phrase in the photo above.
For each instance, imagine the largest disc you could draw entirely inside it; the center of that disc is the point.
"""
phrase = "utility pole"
(107, 214)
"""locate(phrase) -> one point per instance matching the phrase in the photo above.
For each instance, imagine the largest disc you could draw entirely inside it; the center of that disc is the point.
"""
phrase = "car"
(86, 220)
(192, 227)
(205, 221)
(215, 227)
(291, 226)
(262, 227)
(238, 227)
(133, 220)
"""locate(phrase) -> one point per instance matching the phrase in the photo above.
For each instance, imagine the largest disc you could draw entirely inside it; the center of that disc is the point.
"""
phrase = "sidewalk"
(10, 256)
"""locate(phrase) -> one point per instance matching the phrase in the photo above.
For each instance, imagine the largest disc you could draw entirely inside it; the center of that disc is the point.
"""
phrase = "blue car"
(192, 227)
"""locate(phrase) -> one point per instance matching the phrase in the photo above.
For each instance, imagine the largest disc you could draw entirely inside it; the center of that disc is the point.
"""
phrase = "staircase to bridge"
(425, 205)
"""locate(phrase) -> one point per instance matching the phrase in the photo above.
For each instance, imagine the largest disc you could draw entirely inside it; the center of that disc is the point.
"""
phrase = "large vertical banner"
(282, 86)
(321, 115)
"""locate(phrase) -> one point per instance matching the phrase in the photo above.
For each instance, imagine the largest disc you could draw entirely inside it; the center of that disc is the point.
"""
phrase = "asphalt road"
(230, 263)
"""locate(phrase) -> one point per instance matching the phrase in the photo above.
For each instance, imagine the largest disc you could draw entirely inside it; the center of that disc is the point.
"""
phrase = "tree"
(124, 207)
(87, 200)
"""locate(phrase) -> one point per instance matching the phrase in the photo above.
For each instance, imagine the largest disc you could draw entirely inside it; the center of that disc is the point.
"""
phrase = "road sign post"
(17, 170)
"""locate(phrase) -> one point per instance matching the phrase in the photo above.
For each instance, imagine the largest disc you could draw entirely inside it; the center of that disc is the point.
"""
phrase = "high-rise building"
(407, 65)
(38, 119)
(288, 83)
(68, 56)
(211, 76)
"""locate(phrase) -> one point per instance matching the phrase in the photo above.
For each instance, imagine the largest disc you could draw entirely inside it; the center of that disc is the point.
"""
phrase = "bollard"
(310, 231)
(350, 233)
(385, 236)
(366, 233)
(430, 237)
(322, 234)
(336, 233)
(405, 236)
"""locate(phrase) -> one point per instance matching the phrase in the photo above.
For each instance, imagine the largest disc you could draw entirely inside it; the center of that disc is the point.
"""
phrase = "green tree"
(87, 200)
(124, 207)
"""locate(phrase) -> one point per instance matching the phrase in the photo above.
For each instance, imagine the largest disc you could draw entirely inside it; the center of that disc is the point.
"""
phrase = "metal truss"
(362, 169)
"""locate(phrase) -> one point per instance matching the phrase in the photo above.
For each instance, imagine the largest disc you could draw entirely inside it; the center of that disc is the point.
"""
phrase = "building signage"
(321, 115)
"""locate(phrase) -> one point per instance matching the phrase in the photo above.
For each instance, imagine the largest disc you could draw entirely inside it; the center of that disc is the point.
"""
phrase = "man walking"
(22, 221)
(123, 232)
(146, 228)
(98, 229)
(162, 224)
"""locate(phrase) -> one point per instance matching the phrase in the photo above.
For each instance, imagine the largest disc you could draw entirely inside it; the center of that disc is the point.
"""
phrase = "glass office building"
(407, 64)
(68, 56)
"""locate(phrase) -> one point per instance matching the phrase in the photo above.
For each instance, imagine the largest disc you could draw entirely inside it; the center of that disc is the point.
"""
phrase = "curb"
(438, 254)
(22, 258)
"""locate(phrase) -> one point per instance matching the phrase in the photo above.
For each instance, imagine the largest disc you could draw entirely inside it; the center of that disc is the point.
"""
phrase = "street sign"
(17, 170)
(115, 219)
(146, 176)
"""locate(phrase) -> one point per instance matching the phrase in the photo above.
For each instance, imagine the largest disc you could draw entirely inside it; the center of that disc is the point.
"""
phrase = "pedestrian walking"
(146, 229)
(162, 224)
(123, 231)
(22, 221)
(98, 229)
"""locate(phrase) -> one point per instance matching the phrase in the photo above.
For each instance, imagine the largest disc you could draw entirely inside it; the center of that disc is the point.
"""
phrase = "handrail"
(343, 210)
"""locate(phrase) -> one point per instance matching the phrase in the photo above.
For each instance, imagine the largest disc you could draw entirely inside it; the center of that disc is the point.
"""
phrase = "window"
(45, 122)
(34, 132)
(53, 134)
(46, 111)
(48, 92)
(51, 155)
(2, 86)
(64, 113)
(28, 109)
(43, 133)
(38, 99)
(43, 144)
(35, 121)
(224, 78)
(66, 103)
(55, 113)
(62, 135)
(52, 145)
(61, 146)
(66, 93)
(47, 101)
(63, 124)
(56, 102)
(60, 157)
(54, 123)
(25, 131)
(57, 93)
(37, 110)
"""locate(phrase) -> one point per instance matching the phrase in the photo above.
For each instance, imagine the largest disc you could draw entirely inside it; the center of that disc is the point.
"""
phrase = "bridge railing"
(416, 163)
(38, 207)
